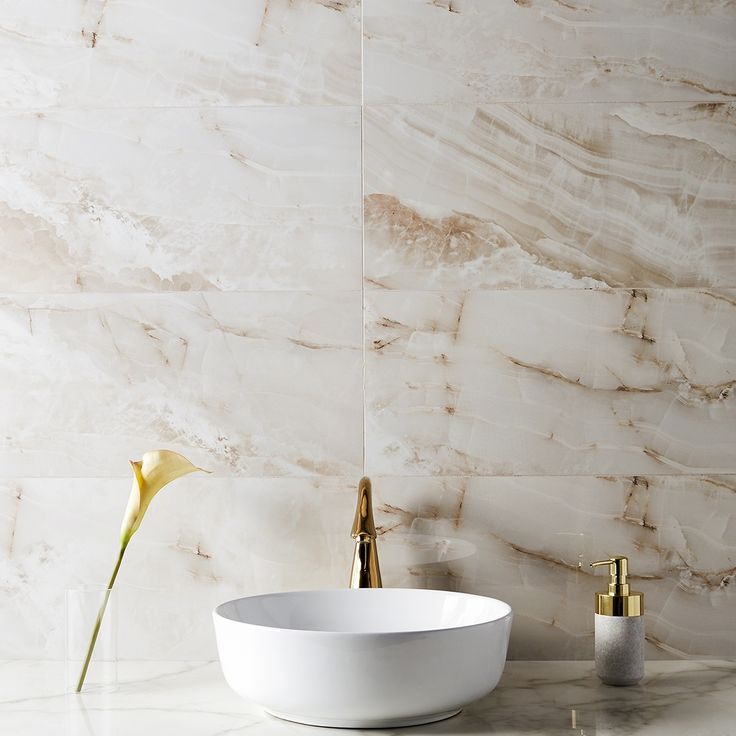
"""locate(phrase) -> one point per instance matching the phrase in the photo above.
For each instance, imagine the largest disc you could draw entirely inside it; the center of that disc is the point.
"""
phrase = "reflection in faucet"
(365, 572)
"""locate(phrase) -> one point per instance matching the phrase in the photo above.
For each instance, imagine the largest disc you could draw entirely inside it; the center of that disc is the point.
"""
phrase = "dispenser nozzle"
(619, 600)
(618, 569)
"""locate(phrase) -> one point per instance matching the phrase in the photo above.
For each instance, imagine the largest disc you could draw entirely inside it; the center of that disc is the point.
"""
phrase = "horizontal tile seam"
(358, 291)
(174, 292)
(604, 289)
(119, 108)
(720, 99)
(348, 479)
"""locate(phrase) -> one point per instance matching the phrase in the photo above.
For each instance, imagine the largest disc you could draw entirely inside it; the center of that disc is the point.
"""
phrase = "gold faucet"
(365, 573)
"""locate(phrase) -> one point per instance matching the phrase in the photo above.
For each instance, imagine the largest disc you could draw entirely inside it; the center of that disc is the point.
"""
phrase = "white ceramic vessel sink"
(363, 658)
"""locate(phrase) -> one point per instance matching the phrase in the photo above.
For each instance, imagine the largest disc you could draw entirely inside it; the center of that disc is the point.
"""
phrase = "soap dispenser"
(619, 627)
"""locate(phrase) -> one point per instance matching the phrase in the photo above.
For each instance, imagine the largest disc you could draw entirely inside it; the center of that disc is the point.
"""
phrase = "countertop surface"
(188, 699)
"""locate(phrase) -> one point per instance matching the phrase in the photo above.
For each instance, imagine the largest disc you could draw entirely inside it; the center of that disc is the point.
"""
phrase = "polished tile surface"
(115, 54)
(550, 195)
(204, 540)
(529, 541)
(526, 540)
(550, 382)
(236, 381)
(488, 258)
(481, 50)
(180, 199)
(694, 698)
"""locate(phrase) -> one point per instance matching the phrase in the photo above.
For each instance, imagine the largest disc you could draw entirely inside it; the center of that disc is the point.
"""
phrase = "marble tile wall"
(181, 266)
(550, 261)
(185, 199)
(525, 332)
(538, 195)
(171, 53)
(475, 51)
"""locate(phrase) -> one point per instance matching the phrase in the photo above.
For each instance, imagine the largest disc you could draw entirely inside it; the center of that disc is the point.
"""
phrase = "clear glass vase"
(84, 607)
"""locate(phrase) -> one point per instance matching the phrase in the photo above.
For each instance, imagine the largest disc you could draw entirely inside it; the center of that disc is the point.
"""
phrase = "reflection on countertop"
(676, 697)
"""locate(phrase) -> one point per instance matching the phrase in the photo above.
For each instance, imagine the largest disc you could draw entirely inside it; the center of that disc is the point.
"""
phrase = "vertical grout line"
(362, 234)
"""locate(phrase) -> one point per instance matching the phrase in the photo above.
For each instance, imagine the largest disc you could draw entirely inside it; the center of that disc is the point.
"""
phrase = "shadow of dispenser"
(365, 572)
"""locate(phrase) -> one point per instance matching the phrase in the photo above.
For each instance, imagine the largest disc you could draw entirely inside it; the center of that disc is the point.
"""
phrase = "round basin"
(372, 658)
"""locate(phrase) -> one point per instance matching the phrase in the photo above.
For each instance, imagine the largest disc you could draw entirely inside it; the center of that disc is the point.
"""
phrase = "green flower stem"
(98, 622)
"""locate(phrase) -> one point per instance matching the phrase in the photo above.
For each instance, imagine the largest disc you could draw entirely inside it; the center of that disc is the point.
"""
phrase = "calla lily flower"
(156, 470)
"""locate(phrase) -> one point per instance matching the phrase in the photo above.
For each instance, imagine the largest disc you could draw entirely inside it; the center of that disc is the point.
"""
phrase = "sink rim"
(508, 613)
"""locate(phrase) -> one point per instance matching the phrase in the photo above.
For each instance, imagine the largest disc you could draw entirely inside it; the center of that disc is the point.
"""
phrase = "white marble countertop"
(192, 699)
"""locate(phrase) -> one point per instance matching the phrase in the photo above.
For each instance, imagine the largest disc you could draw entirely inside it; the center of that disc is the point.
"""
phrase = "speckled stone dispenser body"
(619, 649)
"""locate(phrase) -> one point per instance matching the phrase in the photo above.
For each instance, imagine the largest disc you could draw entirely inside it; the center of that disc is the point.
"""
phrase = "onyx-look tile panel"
(180, 199)
(529, 540)
(550, 382)
(205, 540)
(112, 53)
(237, 382)
(521, 539)
(550, 195)
(585, 50)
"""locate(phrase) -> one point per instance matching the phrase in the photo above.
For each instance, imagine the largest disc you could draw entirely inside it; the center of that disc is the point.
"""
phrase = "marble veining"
(204, 541)
(213, 376)
(550, 195)
(584, 50)
(521, 539)
(157, 53)
(528, 541)
(694, 698)
(550, 382)
(548, 367)
(180, 200)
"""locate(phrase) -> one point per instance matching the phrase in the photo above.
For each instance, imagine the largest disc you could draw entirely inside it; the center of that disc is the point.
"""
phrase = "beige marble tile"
(554, 698)
(180, 213)
(203, 541)
(116, 54)
(180, 199)
(481, 50)
(550, 382)
(259, 384)
(550, 195)
(529, 540)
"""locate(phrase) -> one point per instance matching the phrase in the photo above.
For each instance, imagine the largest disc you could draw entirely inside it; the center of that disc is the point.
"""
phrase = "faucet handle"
(363, 524)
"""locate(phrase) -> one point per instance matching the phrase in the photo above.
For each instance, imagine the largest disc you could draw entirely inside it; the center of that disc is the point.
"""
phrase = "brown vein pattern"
(550, 382)
(550, 196)
(529, 541)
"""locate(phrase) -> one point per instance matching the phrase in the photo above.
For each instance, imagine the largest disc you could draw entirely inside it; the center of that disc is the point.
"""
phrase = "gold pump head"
(365, 572)
(619, 600)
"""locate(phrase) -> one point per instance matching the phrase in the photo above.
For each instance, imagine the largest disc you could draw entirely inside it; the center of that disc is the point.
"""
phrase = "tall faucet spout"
(365, 572)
